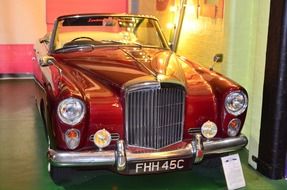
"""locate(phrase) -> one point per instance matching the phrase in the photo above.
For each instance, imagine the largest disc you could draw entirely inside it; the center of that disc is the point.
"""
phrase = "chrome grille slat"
(192, 131)
(154, 116)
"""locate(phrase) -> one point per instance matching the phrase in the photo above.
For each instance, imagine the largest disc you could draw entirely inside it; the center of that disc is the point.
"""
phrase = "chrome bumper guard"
(120, 157)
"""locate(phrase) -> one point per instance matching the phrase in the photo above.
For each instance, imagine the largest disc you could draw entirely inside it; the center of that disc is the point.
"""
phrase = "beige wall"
(22, 21)
(201, 38)
(164, 17)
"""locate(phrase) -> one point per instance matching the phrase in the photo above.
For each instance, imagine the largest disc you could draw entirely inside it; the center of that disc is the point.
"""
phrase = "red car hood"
(106, 70)
(115, 66)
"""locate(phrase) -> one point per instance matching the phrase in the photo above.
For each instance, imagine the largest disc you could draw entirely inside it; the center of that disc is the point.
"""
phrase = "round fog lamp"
(233, 127)
(102, 138)
(209, 129)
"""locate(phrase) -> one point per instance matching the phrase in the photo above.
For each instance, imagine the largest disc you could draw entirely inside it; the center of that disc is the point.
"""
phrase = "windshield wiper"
(123, 43)
(72, 48)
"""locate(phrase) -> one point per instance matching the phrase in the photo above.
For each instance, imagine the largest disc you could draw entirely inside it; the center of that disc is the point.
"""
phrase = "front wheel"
(61, 175)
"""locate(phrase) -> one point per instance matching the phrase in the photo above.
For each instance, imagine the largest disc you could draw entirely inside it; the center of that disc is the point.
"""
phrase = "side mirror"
(218, 58)
(46, 61)
(44, 41)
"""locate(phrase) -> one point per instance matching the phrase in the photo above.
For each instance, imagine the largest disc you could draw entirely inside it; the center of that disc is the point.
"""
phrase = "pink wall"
(57, 8)
(16, 57)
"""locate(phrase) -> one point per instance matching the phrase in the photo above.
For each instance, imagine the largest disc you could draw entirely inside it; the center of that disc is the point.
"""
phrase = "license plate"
(159, 166)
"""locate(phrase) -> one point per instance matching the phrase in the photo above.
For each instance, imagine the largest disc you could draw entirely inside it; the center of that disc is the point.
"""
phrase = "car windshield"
(93, 31)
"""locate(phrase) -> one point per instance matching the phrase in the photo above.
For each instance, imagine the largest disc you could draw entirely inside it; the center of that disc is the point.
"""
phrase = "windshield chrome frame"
(55, 28)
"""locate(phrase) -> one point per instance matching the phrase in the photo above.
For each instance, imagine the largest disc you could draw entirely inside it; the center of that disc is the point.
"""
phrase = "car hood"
(117, 66)
(114, 67)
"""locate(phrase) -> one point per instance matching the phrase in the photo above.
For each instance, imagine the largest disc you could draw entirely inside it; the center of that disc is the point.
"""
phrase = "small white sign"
(233, 171)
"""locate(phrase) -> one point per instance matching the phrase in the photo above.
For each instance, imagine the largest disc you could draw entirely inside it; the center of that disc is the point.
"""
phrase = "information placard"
(233, 171)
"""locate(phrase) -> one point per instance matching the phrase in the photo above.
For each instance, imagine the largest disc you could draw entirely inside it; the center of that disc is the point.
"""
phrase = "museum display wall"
(30, 19)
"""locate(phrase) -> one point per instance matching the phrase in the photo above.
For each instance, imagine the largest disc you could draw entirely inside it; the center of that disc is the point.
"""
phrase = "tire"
(61, 175)
(211, 162)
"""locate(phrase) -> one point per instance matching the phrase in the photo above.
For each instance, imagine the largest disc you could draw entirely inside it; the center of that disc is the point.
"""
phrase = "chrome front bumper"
(120, 157)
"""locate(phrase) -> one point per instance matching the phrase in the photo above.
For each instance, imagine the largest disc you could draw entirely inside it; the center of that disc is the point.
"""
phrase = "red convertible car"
(113, 95)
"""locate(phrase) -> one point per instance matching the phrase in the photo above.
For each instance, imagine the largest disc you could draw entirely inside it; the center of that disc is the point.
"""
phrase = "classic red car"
(113, 94)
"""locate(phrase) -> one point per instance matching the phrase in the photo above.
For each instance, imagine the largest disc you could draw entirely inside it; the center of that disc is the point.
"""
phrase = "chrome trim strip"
(169, 79)
(152, 80)
(193, 131)
(11, 76)
(177, 31)
(105, 14)
(114, 137)
(89, 158)
(140, 81)
(144, 86)
(224, 145)
(39, 84)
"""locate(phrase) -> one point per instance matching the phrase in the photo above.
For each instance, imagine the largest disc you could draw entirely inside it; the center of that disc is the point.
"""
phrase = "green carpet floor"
(23, 163)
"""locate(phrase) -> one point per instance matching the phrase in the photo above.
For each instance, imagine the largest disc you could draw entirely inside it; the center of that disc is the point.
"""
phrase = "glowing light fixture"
(170, 25)
(173, 9)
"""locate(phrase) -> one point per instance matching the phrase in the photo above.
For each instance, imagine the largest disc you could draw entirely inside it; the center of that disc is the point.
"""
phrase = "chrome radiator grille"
(154, 116)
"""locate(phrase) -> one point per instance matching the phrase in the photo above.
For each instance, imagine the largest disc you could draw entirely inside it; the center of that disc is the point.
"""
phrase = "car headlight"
(236, 103)
(71, 111)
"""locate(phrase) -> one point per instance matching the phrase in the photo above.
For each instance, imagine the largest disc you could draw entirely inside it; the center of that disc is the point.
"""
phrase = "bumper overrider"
(120, 158)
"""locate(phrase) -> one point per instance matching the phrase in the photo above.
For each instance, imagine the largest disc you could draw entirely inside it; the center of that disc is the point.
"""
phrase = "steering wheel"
(83, 37)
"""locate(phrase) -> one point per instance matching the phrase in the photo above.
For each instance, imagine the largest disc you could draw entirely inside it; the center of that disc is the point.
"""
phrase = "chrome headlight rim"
(78, 104)
(230, 97)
